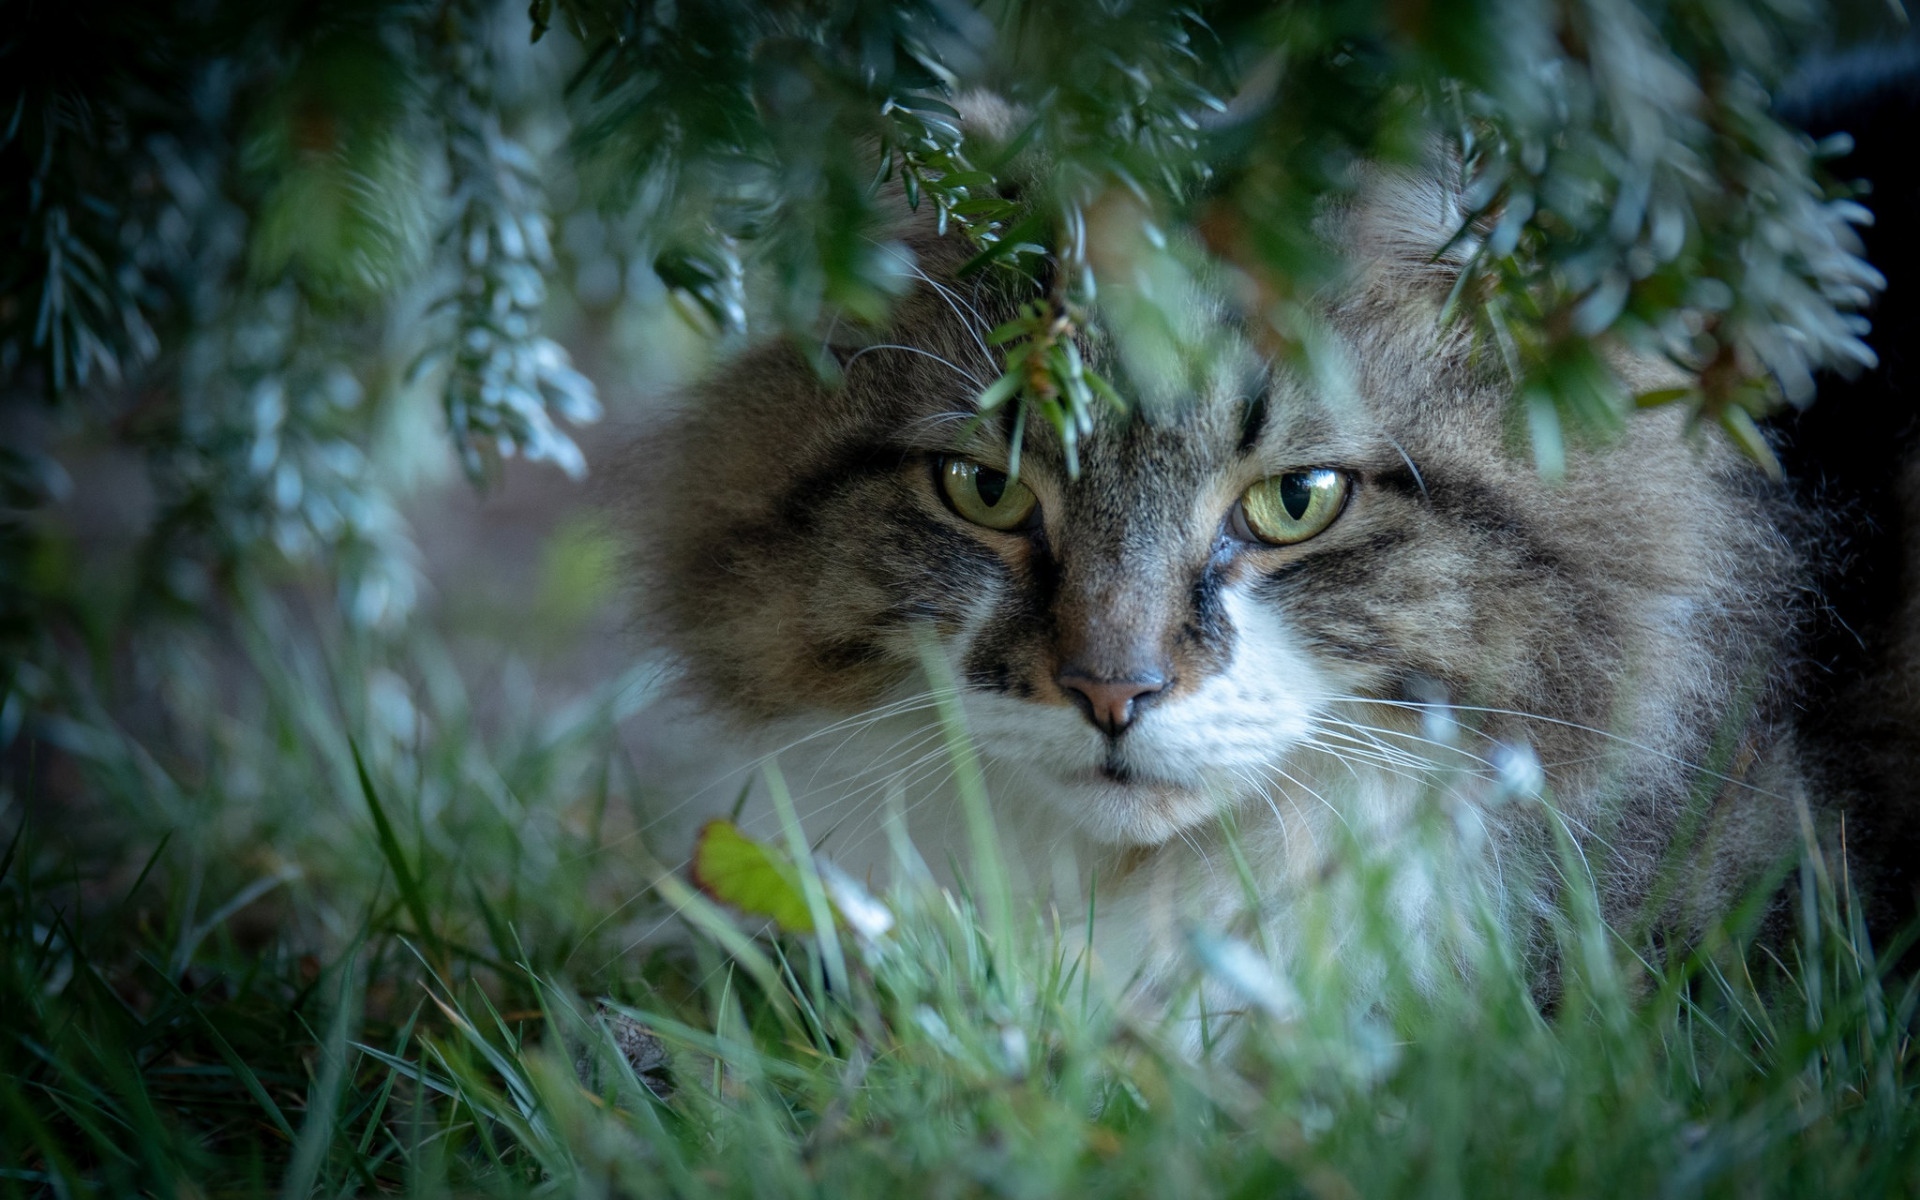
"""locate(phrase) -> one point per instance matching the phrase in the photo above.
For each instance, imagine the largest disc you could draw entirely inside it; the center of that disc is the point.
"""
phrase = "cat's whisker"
(1607, 734)
(942, 359)
(1574, 825)
(1382, 731)
(907, 777)
(918, 735)
(851, 725)
(1381, 740)
(893, 775)
(1371, 749)
(746, 772)
(1363, 742)
(734, 778)
(1418, 771)
(1198, 853)
(971, 319)
(1344, 755)
(1330, 805)
(1266, 797)
(883, 773)
(1424, 775)
(931, 777)
(1571, 826)
(674, 913)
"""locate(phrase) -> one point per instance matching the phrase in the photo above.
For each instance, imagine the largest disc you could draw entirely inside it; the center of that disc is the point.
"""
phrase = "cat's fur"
(1636, 625)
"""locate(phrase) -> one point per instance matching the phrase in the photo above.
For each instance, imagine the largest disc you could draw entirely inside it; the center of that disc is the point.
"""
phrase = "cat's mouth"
(1115, 771)
(1121, 804)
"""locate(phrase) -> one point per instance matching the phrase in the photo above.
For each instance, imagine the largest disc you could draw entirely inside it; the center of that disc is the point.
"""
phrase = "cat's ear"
(991, 124)
(1406, 231)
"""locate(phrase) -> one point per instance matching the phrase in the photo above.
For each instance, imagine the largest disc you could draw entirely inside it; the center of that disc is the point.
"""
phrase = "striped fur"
(1629, 625)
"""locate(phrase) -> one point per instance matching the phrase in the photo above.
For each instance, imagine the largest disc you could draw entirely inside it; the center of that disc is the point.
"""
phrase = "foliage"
(224, 221)
(222, 224)
(1624, 175)
(365, 955)
(505, 378)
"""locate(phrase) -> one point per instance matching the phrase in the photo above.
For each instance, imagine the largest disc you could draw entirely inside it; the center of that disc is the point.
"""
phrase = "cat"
(1265, 624)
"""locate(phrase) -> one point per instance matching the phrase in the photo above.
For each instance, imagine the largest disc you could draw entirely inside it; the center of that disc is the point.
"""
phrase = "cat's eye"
(985, 496)
(1291, 507)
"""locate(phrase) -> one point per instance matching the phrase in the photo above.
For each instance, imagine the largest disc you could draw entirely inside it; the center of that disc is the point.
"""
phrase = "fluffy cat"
(1317, 613)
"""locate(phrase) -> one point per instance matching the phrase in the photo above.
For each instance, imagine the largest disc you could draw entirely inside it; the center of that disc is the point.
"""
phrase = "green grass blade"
(411, 892)
(314, 1143)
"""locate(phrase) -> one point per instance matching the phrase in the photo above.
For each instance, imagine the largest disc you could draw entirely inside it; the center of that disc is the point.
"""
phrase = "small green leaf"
(1738, 423)
(1032, 229)
(997, 392)
(1661, 396)
(1105, 391)
(758, 880)
(1543, 427)
(968, 179)
(1003, 334)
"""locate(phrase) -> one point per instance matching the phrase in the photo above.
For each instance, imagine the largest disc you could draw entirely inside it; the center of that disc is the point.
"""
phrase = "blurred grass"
(340, 935)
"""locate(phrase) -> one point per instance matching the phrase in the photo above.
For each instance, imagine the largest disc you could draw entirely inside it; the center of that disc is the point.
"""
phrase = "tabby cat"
(1295, 614)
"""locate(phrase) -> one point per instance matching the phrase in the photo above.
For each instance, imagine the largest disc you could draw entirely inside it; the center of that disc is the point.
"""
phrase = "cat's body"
(1136, 661)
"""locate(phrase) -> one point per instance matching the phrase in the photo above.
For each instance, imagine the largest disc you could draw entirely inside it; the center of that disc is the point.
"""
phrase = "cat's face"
(1223, 589)
(1163, 633)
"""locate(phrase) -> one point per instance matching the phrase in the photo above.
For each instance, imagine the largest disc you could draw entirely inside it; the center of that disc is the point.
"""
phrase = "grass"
(314, 925)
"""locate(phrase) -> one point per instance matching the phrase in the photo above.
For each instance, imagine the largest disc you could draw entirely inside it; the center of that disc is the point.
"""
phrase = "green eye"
(1289, 508)
(985, 496)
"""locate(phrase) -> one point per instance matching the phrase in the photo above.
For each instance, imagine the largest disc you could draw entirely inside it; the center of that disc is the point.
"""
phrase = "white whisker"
(956, 368)
(1609, 735)
(749, 770)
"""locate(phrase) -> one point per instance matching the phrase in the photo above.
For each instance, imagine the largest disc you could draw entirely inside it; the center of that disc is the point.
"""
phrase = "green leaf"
(1012, 330)
(968, 179)
(1543, 427)
(981, 205)
(996, 393)
(1738, 423)
(1105, 391)
(1033, 229)
(758, 880)
(1662, 396)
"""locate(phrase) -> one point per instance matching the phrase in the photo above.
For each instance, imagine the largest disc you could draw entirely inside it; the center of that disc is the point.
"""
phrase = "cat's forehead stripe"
(1253, 421)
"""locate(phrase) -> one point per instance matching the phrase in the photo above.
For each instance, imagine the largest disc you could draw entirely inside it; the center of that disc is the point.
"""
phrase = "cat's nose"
(1110, 703)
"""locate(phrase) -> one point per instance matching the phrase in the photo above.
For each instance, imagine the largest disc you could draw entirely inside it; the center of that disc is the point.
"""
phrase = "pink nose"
(1110, 703)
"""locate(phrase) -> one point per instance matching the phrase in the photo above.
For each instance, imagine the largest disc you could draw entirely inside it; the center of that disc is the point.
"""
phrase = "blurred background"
(314, 344)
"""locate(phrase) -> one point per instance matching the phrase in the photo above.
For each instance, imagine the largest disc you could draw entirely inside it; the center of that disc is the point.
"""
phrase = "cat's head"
(1227, 579)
